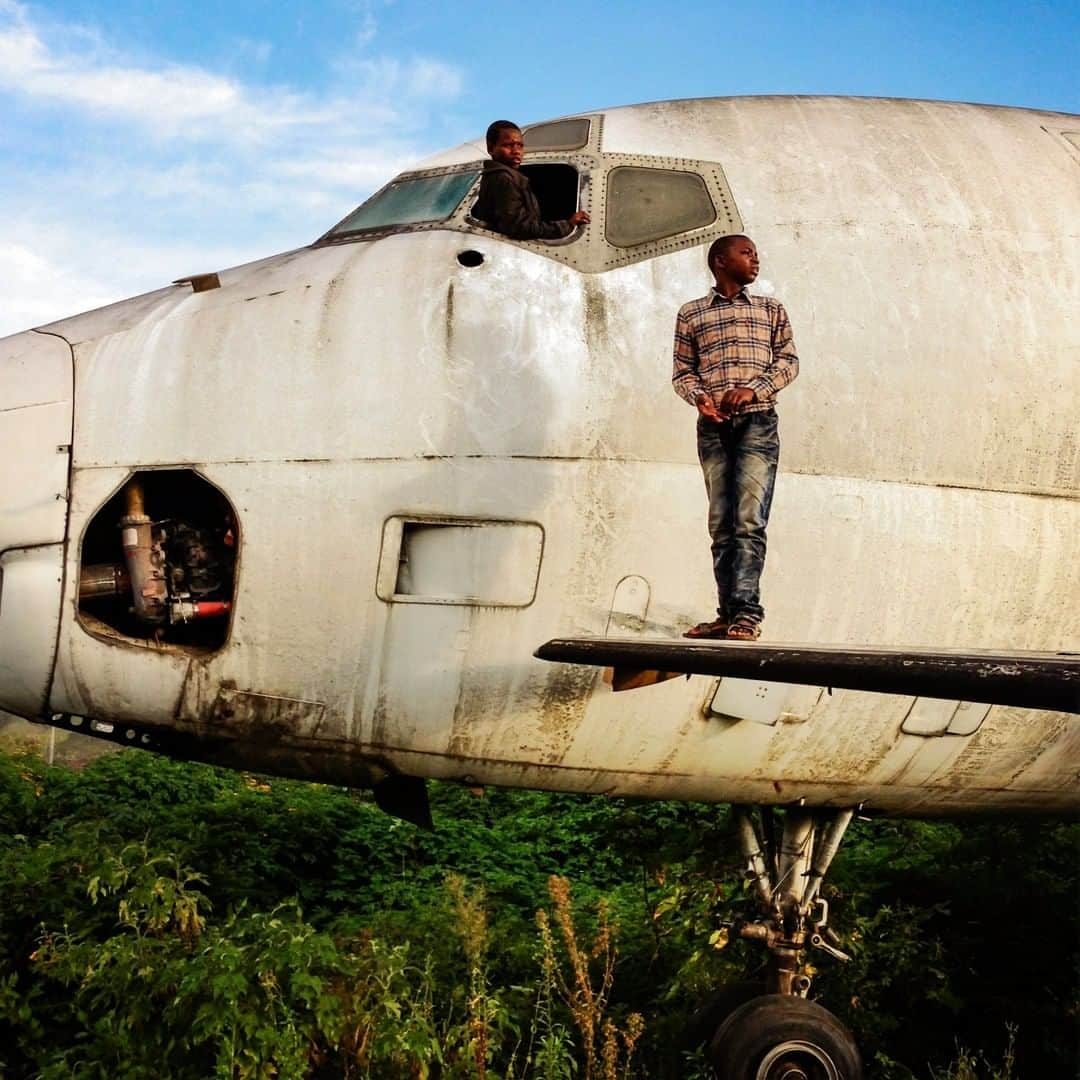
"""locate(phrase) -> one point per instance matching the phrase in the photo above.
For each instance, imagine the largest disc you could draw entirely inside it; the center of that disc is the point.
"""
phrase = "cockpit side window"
(646, 204)
(408, 202)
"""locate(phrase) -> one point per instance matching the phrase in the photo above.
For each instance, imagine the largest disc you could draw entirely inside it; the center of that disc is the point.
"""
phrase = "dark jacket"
(507, 204)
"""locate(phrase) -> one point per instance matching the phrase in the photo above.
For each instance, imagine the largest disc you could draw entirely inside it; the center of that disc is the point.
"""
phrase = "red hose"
(209, 609)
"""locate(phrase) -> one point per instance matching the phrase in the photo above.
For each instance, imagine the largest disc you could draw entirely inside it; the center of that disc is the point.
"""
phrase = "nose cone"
(35, 447)
(35, 438)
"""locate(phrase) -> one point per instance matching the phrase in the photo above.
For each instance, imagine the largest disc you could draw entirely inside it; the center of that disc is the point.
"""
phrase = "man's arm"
(518, 216)
(785, 361)
(684, 376)
(684, 371)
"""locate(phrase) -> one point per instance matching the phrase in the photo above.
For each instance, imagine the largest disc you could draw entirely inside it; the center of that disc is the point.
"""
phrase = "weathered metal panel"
(35, 438)
(762, 701)
(35, 446)
(459, 561)
(30, 581)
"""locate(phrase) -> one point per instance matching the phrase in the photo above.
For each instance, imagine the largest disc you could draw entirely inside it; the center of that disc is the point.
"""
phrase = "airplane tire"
(778, 1037)
(715, 1009)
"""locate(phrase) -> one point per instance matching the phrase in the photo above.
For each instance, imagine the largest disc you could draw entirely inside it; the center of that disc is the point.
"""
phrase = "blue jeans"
(738, 458)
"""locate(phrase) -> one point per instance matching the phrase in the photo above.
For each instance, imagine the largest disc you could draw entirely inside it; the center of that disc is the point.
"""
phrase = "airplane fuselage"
(435, 463)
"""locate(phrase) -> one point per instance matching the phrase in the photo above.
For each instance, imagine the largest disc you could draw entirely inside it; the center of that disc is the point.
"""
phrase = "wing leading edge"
(1034, 680)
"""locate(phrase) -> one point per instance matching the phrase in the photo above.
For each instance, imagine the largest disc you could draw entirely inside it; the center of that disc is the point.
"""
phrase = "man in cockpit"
(733, 353)
(506, 202)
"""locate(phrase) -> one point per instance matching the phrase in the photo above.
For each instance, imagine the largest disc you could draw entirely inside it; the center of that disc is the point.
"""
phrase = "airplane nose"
(36, 380)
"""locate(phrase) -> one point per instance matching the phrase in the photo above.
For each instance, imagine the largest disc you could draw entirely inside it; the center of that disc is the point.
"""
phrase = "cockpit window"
(641, 206)
(650, 204)
(407, 202)
(555, 186)
(559, 135)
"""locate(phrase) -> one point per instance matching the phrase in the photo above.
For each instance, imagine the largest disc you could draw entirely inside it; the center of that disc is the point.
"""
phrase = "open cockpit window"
(555, 186)
(408, 202)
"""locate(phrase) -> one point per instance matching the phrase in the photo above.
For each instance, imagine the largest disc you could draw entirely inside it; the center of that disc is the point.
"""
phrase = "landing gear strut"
(780, 1035)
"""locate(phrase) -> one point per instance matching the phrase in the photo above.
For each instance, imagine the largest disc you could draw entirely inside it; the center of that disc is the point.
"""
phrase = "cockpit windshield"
(408, 202)
(640, 206)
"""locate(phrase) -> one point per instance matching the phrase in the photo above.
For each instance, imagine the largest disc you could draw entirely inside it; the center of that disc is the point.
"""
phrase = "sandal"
(718, 628)
(743, 629)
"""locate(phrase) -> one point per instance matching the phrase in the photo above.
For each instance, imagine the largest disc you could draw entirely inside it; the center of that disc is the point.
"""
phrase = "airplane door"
(36, 390)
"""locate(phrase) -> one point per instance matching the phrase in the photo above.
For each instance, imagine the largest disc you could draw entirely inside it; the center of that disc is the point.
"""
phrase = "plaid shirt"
(722, 343)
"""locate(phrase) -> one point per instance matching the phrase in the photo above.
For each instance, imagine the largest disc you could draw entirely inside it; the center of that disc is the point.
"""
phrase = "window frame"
(703, 186)
(728, 219)
(590, 123)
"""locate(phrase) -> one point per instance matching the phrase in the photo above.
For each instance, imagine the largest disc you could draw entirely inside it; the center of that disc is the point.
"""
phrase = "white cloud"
(39, 290)
(366, 33)
(356, 171)
(184, 102)
(258, 52)
(393, 79)
(120, 172)
(29, 67)
(44, 283)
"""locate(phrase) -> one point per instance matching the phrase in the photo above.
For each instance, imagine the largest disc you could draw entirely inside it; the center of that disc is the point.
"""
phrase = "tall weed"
(582, 972)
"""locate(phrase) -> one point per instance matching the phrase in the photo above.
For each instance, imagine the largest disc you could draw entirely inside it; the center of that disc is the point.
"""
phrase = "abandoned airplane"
(314, 515)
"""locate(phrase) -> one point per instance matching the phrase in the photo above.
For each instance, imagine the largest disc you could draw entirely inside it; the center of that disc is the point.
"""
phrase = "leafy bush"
(171, 920)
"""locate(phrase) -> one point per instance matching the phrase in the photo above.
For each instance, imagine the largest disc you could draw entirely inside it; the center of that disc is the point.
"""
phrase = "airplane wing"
(1035, 680)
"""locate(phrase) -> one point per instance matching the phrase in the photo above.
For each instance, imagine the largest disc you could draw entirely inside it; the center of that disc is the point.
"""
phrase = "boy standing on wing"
(733, 353)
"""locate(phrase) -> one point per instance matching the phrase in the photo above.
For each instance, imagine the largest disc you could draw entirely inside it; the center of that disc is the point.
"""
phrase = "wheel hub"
(797, 1060)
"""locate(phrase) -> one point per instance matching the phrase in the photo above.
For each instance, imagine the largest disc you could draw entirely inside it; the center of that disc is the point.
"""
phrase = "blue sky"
(143, 141)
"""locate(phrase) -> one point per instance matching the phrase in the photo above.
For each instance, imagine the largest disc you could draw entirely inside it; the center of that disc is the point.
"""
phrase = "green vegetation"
(160, 919)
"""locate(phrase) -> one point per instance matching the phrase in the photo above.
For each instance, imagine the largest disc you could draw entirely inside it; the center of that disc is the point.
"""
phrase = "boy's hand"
(707, 408)
(579, 218)
(735, 400)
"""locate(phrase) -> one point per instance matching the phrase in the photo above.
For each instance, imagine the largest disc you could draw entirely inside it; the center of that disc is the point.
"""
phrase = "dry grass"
(582, 974)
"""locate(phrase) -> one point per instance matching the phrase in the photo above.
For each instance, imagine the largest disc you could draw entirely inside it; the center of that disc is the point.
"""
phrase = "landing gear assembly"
(780, 1035)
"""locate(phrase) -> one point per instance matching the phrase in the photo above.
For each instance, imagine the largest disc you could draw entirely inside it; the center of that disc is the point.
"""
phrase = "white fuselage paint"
(928, 495)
